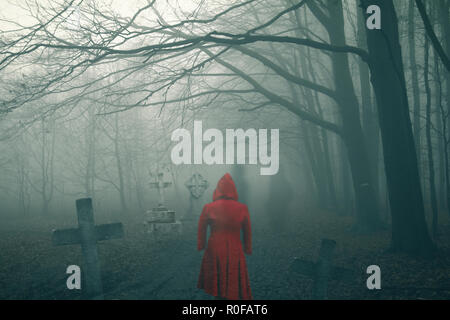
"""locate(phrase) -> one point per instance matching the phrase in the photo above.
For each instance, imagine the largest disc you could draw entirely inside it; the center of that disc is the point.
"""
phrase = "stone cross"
(197, 185)
(160, 184)
(87, 234)
(322, 270)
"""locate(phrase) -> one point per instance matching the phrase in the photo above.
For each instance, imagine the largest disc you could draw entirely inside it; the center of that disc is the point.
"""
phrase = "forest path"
(173, 275)
(171, 270)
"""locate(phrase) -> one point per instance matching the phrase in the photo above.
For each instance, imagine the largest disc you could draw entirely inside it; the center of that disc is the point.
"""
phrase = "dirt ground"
(137, 267)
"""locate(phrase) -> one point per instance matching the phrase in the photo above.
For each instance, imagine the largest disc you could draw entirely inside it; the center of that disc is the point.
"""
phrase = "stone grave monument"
(161, 222)
(197, 186)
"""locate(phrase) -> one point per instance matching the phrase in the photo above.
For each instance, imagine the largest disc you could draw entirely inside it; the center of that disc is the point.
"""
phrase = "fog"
(95, 97)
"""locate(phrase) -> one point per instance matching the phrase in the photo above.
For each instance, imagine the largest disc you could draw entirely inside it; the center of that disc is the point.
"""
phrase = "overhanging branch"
(430, 32)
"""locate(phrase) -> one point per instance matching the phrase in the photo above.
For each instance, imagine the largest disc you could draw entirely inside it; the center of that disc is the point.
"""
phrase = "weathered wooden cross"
(322, 270)
(87, 234)
(160, 184)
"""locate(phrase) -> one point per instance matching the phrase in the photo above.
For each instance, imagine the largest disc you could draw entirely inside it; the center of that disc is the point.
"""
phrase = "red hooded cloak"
(223, 271)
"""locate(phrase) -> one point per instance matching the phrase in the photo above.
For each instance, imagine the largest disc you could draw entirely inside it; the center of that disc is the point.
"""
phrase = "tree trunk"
(414, 77)
(433, 199)
(440, 136)
(367, 215)
(119, 166)
(90, 166)
(313, 100)
(304, 128)
(47, 158)
(348, 207)
(319, 147)
(444, 21)
(409, 228)
(367, 211)
(370, 124)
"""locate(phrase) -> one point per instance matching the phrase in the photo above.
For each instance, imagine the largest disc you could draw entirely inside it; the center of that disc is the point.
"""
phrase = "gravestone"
(160, 185)
(197, 186)
(88, 234)
(321, 271)
(161, 222)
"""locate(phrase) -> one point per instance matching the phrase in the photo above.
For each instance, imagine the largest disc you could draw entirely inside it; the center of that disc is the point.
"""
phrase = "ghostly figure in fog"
(278, 200)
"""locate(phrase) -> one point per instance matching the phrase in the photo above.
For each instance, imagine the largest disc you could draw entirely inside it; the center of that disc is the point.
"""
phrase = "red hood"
(225, 189)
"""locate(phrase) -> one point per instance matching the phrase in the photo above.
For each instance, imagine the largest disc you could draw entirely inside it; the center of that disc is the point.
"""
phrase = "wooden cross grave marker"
(322, 270)
(87, 234)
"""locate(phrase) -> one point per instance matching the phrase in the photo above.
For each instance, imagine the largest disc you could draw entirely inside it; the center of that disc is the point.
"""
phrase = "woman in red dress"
(223, 273)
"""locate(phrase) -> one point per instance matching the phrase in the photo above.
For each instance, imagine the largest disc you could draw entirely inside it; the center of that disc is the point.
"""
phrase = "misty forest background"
(92, 90)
